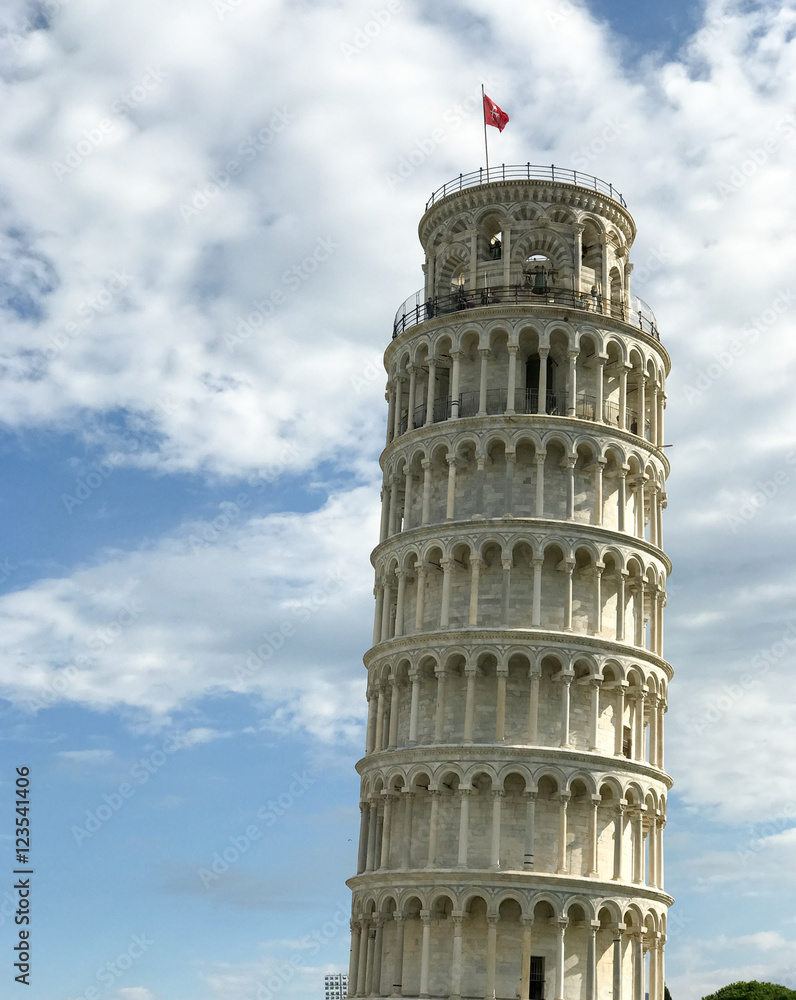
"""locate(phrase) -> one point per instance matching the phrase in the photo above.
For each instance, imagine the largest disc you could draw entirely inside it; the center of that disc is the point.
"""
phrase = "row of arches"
(440, 943)
(542, 475)
(548, 699)
(520, 819)
(500, 246)
(559, 372)
(548, 583)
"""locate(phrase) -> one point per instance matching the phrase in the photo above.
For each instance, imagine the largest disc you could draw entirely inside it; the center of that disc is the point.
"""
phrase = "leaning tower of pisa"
(513, 787)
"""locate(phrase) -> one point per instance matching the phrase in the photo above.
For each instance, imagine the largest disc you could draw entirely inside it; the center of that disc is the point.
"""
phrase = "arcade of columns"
(513, 787)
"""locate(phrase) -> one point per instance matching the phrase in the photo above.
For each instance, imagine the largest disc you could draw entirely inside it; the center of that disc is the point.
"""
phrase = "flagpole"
(486, 144)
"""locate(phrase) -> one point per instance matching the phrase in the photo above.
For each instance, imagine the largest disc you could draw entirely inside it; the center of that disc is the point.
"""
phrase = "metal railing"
(416, 309)
(525, 172)
(526, 401)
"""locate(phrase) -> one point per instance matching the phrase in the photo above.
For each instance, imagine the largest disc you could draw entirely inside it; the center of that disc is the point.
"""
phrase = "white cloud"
(273, 607)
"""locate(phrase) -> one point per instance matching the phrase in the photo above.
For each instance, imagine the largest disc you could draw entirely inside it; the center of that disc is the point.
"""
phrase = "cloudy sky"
(208, 217)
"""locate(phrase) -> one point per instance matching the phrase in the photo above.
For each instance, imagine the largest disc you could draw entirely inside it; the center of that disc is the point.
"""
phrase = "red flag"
(493, 115)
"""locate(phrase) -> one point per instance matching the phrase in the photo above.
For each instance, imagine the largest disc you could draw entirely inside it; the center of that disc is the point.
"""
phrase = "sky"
(208, 217)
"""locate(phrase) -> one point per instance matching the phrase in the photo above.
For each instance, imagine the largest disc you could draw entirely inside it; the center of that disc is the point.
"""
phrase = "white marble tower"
(513, 790)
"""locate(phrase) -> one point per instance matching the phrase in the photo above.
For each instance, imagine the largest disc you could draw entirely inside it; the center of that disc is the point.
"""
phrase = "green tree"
(752, 991)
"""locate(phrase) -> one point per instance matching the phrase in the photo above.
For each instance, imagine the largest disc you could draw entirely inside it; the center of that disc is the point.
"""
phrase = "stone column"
(469, 708)
(598, 597)
(491, 956)
(500, 713)
(642, 409)
(530, 824)
(506, 591)
(432, 389)
(378, 945)
(594, 684)
(392, 523)
(539, 461)
(578, 257)
(653, 980)
(378, 593)
(362, 852)
(464, 827)
(619, 828)
(400, 602)
(385, 510)
(623, 396)
(525, 979)
(485, 353)
(373, 815)
(412, 403)
(622, 499)
(370, 738)
(456, 958)
(638, 966)
(595, 805)
(432, 828)
(426, 467)
(451, 497)
(571, 488)
(511, 456)
(638, 739)
(386, 607)
(661, 712)
(599, 406)
(371, 950)
(652, 841)
(457, 357)
(512, 384)
(536, 611)
(563, 802)
(494, 861)
(390, 397)
(652, 704)
(425, 955)
(480, 476)
(620, 605)
(395, 699)
(414, 709)
(475, 573)
(406, 853)
(619, 722)
(398, 968)
(617, 977)
(570, 566)
(445, 610)
(399, 389)
(638, 845)
(439, 718)
(572, 385)
(533, 705)
(409, 486)
(380, 719)
(420, 604)
(364, 937)
(591, 961)
(561, 926)
(566, 680)
(353, 962)
(599, 470)
(542, 403)
(386, 830)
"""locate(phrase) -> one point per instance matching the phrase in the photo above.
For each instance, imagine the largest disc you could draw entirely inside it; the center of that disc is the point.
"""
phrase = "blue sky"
(203, 240)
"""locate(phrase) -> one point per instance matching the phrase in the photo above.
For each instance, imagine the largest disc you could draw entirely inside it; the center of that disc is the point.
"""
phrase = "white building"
(335, 986)
(513, 791)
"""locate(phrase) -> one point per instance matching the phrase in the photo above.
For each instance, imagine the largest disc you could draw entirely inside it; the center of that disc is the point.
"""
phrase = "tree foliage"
(752, 991)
